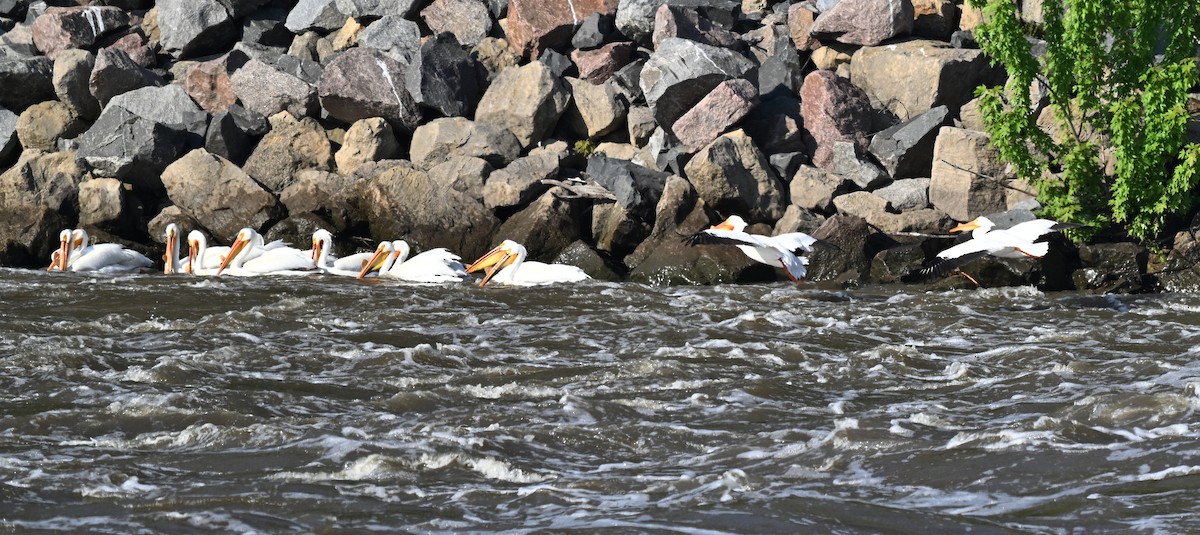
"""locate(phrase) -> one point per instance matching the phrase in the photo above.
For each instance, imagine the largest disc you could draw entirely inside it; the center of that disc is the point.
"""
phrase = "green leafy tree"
(1117, 73)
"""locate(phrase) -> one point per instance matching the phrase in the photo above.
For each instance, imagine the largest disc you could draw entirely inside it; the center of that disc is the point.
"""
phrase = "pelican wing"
(283, 259)
(110, 257)
(943, 267)
(714, 236)
(353, 262)
(434, 266)
(796, 242)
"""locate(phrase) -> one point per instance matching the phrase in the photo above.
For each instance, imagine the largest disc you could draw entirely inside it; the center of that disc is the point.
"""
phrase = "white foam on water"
(510, 390)
(129, 487)
(1174, 471)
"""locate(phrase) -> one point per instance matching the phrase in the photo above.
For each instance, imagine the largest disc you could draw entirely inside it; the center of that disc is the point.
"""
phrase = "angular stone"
(393, 35)
(9, 144)
(115, 74)
(615, 230)
(495, 55)
(209, 85)
(593, 31)
(264, 26)
(722, 108)
(218, 195)
(797, 219)
(346, 36)
(935, 19)
(913, 77)
(863, 204)
(26, 81)
(321, 15)
(520, 183)
(325, 194)
(769, 39)
(681, 72)
(864, 22)
(787, 163)
(468, 20)
(546, 227)
(600, 64)
(105, 203)
(834, 110)
(443, 139)
(60, 28)
(830, 58)
(231, 133)
(852, 164)
(898, 263)
(376, 8)
(800, 19)
(906, 150)
(285, 151)
(404, 201)
(189, 28)
(42, 125)
(266, 90)
(140, 132)
(136, 47)
(362, 83)
(465, 174)
(961, 161)
(734, 177)
(536, 25)
(907, 194)
(37, 199)
(596, 110)
(777, 125)
(527, 100)
(814, 189)
(580, 255)
(686, 23)
(970, 118)
(850, 260)
(637, 188)
(368, 140)
(782, 73)
(635, 18)
(444, 77)
(1112, 267)
(72, 70)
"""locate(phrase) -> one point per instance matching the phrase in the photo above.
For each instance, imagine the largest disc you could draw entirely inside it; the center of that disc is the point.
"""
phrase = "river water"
(150, 404)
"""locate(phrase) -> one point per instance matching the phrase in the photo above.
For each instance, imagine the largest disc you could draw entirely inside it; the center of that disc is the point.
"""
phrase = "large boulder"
(906, 150)
(686, 23)
(38, 196)
(443, 139)
(210, 86)
(834, 110)
(616, 231)
(324, 194)
(635, 18)
(363, 82)
(864, 22)
(813, 188)
(368, 140)
(444, 77)
(287, 150)
(26, 80)
(43, 125)
(852, 164)
(189, 28)
(968, 176)
(527, 100)
(907, 194)
(777, 125)
(468, 20)
(680, 73)
(105, 204)
(546, 227)
(321, 15)
(72, 74)
(723, 107)
(114, 73)
(218, 195)
(376, 8)
(393, 35)
(466, 174)
(535, 25)
(913, 77)
(935, 19)
(266, 90)
(636, 188)
(404, 202)
(520, 183)
(596, 109)
(850, 260)
(733, 177)
(800, 18)
(62, 28)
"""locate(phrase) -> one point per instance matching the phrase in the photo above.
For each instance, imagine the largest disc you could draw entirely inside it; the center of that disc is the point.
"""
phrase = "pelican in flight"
(779, 251)
(433, 266)
(80, 255)
(249, 257)
(322, 243)
(1016, 242)
(506, 265)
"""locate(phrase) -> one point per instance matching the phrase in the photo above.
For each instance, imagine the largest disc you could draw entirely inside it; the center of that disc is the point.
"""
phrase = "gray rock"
(559, 64)
(465, 174)
(262, 26)
(520, 183)
(734, 177)
(443, 139)
(231, 133)
(864, 22)
(190, 28)
(680, 73)
(169, 105)
(305, 69)
(26, 81)
(140, 132)
(363, 82)
(72, 72)
(546, 227)
(267, 91)
(580, 255)
(635, 18)
(218, 195)
(640, 121)
(782, 73)
(968, 176)
(61, 28)
(907, 194)
(637, 188)
(629, 79)
(593, 31)
(777, 125)
(863, 204)
(851, 164)
(321, 15)
(615, 230)
(468, 20)
(393, 35)
(37, 198)
(850, 260)
(797, 219)
(327, 195)
(786, 164)
(376, 8)
(529, 118)
(8, 135)
(906, 150)
(814, 189)
(115, 74)
(596, 109)
(444, 77)
(1112, 267)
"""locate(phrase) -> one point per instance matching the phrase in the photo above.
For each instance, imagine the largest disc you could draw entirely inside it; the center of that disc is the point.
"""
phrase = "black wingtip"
(1065, 226)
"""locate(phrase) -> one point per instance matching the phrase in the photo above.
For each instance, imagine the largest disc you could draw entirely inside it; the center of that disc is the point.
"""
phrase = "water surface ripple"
(148, 404)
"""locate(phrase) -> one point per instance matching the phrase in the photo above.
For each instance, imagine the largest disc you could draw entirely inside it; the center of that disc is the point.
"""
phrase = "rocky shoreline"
(459, 123)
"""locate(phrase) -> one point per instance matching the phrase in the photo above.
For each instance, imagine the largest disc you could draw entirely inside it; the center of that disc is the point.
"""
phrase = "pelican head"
(58, 260)
(980, 224)
(81, 239)
(382, 252)
(508, 252)
(733, 223)
(244, 238)
(196, 246)
(171, 255)
(400, 250)
(322, 240)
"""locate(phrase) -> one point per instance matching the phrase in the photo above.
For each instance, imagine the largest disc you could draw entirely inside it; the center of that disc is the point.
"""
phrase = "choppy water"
(146, 404)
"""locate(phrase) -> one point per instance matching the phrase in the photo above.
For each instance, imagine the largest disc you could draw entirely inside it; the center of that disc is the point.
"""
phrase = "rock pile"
(441, 122)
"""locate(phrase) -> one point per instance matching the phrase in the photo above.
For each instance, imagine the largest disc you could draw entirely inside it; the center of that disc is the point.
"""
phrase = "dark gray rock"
(635, 18)
(687, 23)
(850, 261)
(445, 78)
(1112, 267)
(777, 126)
(8, 135)
(265, 27)
(231, 134)
(363, 82)
(850, 163)
(61, 28)
(681, 72)
(906, 150)
(393, 35)
(782, 74)
(305, 69)
(546, 227)
(26, 81)
(787, 163)
(320, 15)
(468, 20)
(124, 145)
(897, 264)
(637, 188)
(593, 32)
(964, 39)
(580, 255)
(190, 28)
(115, 73)
(558, 64)
(629, 80)
(72, 74)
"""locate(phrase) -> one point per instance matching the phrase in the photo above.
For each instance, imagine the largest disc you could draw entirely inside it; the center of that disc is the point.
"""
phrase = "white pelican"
(779, 251)
(172, 263)
(349, 266)
(104, 257)
(58, 259)
(202, 259)
(249, 257)
(433, 266)
(506, 264)
(1015, 242)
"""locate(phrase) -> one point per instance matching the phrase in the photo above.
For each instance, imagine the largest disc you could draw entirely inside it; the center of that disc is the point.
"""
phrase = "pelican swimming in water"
(433, 266)
(1015, 242)
(172, 262)
(778, 251)
(506, 265)
(81, 255)
(249, 257)
(202, 259)
(349, 266)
